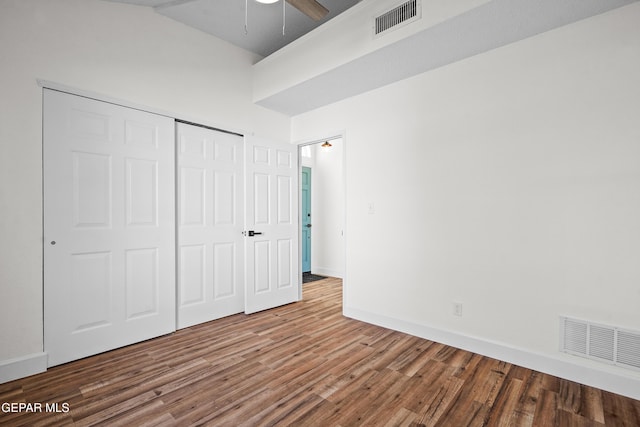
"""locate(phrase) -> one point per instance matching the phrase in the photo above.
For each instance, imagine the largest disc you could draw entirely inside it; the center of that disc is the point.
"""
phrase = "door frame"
(319, 140)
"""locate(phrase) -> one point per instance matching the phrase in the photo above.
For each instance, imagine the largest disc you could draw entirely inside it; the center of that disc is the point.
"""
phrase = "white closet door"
(109, 226)
(210, 214)
(271, 244)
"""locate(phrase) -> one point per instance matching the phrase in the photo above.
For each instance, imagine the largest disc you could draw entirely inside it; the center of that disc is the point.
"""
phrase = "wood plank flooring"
(305, 364)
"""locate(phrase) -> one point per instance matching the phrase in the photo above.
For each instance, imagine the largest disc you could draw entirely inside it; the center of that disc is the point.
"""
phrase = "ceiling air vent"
(403, 14)
(607, 344)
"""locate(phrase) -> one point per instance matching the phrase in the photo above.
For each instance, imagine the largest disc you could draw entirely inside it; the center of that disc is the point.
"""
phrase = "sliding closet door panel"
(210, 214)
(109, 225)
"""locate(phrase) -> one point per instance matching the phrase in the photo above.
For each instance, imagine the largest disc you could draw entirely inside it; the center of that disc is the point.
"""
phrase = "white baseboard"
(321, 271)
(21, 367)
(565, 366)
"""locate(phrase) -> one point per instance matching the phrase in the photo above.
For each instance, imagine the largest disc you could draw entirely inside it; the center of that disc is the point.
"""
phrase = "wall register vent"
(403, 14)
(607, 344)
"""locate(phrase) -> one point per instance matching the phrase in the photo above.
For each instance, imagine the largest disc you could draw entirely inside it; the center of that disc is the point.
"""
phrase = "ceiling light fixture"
(266, 1)
(326, 144)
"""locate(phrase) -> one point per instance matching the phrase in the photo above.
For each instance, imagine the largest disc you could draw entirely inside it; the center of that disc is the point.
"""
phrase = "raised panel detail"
(91, 190)
(284, 159)
(193, 196)
(141, 192)
(260, 155)
(211, 206)
(192, 274)
(89, 126)
(109, 202)
(225, 151)
(141, 135)
(261, 258)
(262, 196)
(224, 199)
(284, 263)
(141, 282)
(271, 273)
(193, 147)
(284, 200)
(224, 280)
(90, 290)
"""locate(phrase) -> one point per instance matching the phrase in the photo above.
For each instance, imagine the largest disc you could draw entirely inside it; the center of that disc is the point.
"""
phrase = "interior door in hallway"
(210, 218)
(271, 224)
(109, 226)
(305, 239)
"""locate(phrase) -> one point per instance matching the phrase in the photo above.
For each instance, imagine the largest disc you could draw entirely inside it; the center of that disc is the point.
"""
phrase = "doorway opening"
(322, 209)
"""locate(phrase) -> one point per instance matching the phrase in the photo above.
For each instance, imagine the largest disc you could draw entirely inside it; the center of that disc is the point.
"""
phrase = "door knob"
(308, 225)
(53, 242)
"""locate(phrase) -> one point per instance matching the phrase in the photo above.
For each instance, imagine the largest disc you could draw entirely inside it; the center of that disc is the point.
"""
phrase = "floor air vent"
(600, 342)
(405, 13)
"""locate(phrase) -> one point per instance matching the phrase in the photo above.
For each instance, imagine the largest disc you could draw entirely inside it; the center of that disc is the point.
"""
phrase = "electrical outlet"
(457, 309)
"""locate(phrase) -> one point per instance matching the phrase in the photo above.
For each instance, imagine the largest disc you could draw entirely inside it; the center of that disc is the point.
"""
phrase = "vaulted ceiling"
(225, 19)
(493, 24)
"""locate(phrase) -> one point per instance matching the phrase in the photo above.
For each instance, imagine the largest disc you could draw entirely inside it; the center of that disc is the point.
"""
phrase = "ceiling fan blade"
(311, 8)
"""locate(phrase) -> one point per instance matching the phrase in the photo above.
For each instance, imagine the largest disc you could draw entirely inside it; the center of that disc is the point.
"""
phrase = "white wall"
(510, 182)
(327, 209)
(122, 51)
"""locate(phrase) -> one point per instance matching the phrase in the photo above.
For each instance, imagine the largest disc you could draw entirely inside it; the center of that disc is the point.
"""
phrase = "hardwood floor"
(305, 364)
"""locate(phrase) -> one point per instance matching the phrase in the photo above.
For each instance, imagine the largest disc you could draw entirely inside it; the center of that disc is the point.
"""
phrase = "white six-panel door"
(271, 197)
(210, 218)
(109, 226)
(110, 249)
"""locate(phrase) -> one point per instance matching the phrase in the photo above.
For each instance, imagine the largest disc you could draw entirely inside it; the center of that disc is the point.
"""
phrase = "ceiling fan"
(311, 8)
